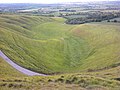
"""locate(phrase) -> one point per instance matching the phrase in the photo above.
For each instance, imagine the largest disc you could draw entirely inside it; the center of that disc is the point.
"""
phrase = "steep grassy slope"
(11, 79)
(49, 46)
(103, 38)
(7, 71)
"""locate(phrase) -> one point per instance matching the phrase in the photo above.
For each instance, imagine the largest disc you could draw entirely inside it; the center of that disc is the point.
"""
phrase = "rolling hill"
(49, 46)
(86, 54)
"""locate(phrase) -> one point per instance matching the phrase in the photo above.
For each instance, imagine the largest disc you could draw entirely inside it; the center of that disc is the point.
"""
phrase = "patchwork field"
(87, 52)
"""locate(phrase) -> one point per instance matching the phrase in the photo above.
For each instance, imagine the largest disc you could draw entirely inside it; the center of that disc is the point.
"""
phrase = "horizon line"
(55, 2)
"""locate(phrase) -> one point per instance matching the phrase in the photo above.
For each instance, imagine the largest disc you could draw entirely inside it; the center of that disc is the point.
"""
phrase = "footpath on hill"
(19, 68)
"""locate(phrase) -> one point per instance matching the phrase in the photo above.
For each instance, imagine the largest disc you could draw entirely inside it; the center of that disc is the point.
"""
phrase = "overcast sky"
(47, 1)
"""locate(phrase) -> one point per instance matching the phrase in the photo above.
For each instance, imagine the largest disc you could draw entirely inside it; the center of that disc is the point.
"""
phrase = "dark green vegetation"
(94, 16)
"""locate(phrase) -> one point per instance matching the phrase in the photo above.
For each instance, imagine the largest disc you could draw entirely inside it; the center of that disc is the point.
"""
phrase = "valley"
(60, 55)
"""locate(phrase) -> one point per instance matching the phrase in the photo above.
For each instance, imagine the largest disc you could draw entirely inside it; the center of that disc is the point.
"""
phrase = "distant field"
(118, 19)
(77, 16)
(112, 20)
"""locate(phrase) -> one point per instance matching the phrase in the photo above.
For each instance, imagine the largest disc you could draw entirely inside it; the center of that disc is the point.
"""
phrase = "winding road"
(19, 68)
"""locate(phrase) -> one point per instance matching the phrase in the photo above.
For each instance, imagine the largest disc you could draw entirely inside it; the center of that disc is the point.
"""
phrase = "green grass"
(49, 46)
(104, 42)
(7, 71)
(11, 79)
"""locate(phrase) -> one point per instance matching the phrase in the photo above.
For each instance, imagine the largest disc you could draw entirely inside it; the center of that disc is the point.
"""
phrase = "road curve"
(19, 68)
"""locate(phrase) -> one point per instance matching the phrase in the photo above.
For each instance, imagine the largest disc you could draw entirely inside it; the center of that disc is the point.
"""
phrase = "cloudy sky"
(46, 1)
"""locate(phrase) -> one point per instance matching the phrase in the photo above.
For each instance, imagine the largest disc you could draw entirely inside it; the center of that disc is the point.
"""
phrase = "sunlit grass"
(47, 45)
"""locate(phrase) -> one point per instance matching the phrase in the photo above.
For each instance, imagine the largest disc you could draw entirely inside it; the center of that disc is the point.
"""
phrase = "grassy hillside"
(11, 79)
(104, 40)
(7, 71)
(49, 46)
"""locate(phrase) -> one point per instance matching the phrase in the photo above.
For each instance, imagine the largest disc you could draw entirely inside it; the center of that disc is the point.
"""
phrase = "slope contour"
(47, 45)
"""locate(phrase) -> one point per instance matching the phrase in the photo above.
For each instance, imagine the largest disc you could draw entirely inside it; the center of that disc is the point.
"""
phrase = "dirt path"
(19, 68)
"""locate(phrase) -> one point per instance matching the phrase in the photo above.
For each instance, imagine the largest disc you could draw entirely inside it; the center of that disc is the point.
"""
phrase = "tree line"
(95, 17)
